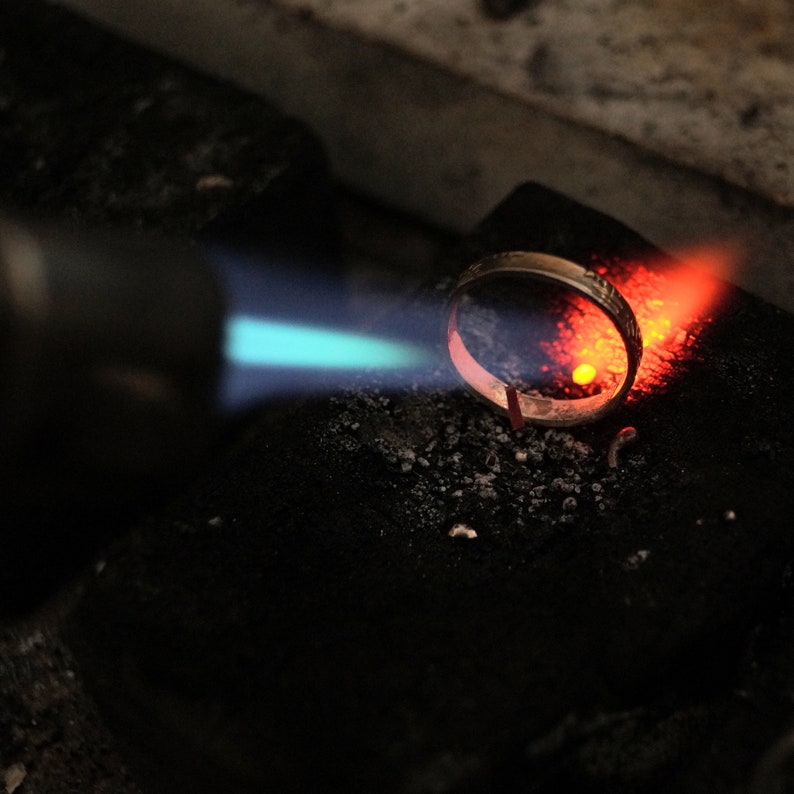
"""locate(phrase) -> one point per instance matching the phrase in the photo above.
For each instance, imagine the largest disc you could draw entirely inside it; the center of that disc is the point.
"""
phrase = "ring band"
(549, 269)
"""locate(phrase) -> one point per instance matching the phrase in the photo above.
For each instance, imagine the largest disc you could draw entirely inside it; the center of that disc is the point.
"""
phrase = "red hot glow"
(671, 304)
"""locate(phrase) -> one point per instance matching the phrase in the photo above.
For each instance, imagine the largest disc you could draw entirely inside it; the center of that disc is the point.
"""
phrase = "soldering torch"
(120, 351)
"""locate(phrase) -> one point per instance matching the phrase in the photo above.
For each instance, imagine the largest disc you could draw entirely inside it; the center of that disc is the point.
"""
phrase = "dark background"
(293, 615)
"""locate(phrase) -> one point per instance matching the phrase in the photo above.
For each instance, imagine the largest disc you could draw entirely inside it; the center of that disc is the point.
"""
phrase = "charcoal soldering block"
(302, 620)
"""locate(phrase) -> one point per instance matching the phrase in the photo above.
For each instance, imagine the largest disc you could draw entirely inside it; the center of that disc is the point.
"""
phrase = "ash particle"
(569, 504)
(462, 531)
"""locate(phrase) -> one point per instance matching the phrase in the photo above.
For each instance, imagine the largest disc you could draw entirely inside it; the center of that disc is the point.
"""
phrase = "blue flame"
(291, 332)
(258, 342)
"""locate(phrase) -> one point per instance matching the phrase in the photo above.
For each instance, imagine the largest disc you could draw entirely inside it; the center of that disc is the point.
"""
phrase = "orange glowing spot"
(583, 374)
(672, 305)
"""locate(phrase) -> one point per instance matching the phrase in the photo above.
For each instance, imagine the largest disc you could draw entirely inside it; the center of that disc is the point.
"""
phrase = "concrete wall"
(681, 131)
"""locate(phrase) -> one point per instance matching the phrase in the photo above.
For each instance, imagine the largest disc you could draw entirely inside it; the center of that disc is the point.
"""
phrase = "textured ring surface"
(549, 269)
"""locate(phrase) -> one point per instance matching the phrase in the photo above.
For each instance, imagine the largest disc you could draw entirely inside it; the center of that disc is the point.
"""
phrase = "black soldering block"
(102, 138)
(301, 620)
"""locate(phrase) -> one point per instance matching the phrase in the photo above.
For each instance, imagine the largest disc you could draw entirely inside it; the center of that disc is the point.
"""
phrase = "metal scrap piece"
(624, 437)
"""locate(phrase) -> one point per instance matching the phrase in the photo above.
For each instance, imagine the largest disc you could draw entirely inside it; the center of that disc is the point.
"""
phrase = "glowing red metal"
(671, 304)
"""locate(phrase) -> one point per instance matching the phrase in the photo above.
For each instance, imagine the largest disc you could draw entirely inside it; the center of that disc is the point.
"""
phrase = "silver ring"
(550, 269)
